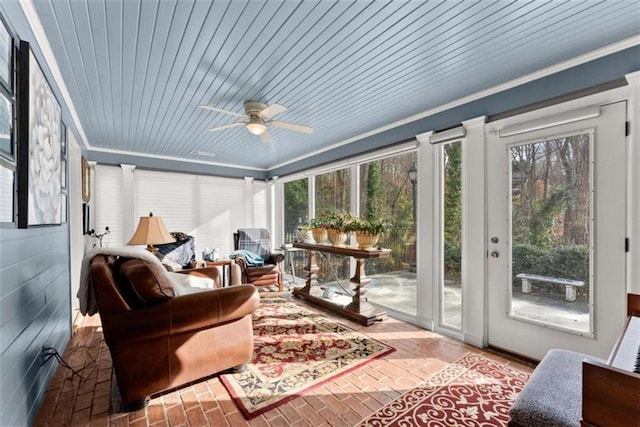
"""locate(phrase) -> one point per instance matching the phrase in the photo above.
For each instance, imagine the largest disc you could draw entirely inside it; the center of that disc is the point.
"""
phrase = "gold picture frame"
(86, 181)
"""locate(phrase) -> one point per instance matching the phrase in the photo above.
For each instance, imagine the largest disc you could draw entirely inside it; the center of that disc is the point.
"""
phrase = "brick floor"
(71, 401)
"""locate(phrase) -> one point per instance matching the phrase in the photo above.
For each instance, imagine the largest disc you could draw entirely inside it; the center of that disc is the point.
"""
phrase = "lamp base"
(152, 249)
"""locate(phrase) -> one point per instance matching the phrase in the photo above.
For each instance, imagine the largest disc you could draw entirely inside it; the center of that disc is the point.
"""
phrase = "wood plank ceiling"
(137, 70)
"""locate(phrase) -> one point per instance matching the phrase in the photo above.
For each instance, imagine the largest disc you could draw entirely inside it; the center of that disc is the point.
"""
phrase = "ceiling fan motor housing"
(252, 108)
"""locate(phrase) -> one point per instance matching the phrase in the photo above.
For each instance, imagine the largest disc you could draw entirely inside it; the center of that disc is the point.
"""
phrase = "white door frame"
(606, 328)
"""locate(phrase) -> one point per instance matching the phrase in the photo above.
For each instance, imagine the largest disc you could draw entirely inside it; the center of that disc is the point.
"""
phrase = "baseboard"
(426, 323)
(475, 340)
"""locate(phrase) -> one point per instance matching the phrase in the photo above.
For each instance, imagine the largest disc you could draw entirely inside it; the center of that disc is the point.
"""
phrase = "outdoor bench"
(569, 285)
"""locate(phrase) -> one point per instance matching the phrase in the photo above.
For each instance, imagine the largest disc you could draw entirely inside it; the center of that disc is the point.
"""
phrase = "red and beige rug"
(295, 350)
(473, 391)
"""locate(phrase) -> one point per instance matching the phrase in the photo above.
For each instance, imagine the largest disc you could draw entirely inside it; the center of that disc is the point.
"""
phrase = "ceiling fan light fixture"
(256, 128)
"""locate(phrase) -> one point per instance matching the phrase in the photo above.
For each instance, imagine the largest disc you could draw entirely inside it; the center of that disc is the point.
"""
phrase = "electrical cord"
(49, 353)
(335, 275)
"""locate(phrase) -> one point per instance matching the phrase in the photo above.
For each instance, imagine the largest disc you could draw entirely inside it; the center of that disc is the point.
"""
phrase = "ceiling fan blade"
(265, 136)
(230, 125)
(220, 110)
(271, 111)
(292, 126)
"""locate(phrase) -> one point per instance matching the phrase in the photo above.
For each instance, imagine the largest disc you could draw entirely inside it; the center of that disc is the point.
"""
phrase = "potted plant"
(305, 234)
(338, 222)
(319, 227)
(368, 231)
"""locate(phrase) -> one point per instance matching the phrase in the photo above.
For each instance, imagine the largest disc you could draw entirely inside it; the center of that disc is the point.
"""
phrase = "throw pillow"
(142, 283)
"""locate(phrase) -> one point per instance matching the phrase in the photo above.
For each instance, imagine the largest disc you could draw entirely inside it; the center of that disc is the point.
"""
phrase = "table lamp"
(151, 231)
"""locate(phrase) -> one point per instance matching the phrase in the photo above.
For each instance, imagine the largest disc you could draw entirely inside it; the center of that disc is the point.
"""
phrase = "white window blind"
(168, 195)
(221, 211)
(260, 208)
(106, 205)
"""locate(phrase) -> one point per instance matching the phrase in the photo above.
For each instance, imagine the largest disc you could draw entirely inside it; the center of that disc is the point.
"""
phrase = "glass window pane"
(551, 231)
(296, 206)
(333, 191)
(386, 191)
(451, 287)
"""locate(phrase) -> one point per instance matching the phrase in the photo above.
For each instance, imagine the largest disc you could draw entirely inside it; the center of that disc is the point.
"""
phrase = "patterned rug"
(472, 391)
(295, 351)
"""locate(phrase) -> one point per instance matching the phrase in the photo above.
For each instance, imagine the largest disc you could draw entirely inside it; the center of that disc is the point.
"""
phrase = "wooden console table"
(359, 309)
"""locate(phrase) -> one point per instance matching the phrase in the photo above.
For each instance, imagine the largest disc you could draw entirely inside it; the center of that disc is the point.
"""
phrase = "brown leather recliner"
(258, 241)
(159, 341)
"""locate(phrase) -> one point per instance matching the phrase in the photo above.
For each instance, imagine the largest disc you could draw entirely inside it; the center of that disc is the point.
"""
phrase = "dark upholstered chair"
(258, 241)
(159, 341)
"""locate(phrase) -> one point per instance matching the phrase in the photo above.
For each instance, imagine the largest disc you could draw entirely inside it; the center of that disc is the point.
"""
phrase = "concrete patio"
(397, 291)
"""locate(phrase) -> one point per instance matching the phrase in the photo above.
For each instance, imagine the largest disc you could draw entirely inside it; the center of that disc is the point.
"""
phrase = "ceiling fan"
(258, 118)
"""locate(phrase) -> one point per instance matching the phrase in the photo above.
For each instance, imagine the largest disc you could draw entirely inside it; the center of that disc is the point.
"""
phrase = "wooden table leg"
(359, 303)
(312, 273)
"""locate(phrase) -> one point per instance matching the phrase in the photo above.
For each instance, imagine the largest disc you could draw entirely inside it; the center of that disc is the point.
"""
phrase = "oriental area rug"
(473, 391)
(295, 351)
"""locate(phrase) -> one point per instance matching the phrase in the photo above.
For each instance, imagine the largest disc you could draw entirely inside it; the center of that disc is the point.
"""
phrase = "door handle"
(495, 254)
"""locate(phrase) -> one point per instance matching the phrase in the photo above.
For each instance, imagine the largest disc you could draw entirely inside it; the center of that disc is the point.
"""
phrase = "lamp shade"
(151, 231)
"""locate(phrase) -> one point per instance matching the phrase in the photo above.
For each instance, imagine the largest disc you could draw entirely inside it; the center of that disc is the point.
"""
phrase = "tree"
(373, 190)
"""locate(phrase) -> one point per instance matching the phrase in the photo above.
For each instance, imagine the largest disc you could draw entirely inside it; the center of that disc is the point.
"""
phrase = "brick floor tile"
(278, 420)
(196, 417)
(356, 405)
(122, 420)
(142, 422)
(99, 420)
(189, 399)
(216, 418)
(236, 419)
(176, 415)
(314, 401)
(259, 421)
(201, 388)
(81, 418)
(207, 401)
(155, 413)
(332, 418)
(308, 413)
(289, 412)
(101, 388)
(334, 403)
(83, 401)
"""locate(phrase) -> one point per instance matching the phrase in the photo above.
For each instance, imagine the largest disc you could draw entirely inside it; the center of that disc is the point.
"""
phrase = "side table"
(226, 272)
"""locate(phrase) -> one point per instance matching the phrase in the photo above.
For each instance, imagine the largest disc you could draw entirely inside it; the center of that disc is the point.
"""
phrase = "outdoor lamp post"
(413, 177)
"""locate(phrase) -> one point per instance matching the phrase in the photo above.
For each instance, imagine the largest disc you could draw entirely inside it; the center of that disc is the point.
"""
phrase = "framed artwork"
(63, 156)
(39, 152)
(86, 181)
(6, 57)
(86, 223)
(7, 176)
(6, 127)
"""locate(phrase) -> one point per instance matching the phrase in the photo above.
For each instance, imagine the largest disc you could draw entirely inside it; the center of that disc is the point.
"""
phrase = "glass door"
(556, 212)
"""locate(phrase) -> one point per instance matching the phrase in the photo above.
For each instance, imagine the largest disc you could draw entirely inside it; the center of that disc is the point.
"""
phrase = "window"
(333, 191)
(296, 206)
(386, 191)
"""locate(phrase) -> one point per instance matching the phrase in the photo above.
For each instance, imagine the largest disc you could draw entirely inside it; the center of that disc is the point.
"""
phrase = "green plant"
(369, 226)
(339, 220)
(322, 221)
(304, 227)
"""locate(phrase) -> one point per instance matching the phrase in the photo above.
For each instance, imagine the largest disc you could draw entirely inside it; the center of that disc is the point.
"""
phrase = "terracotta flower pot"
(337, 238)
(367, 241)
(320, 236)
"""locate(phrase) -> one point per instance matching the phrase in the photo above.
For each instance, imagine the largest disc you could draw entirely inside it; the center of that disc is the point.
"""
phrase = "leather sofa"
(159, 341)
